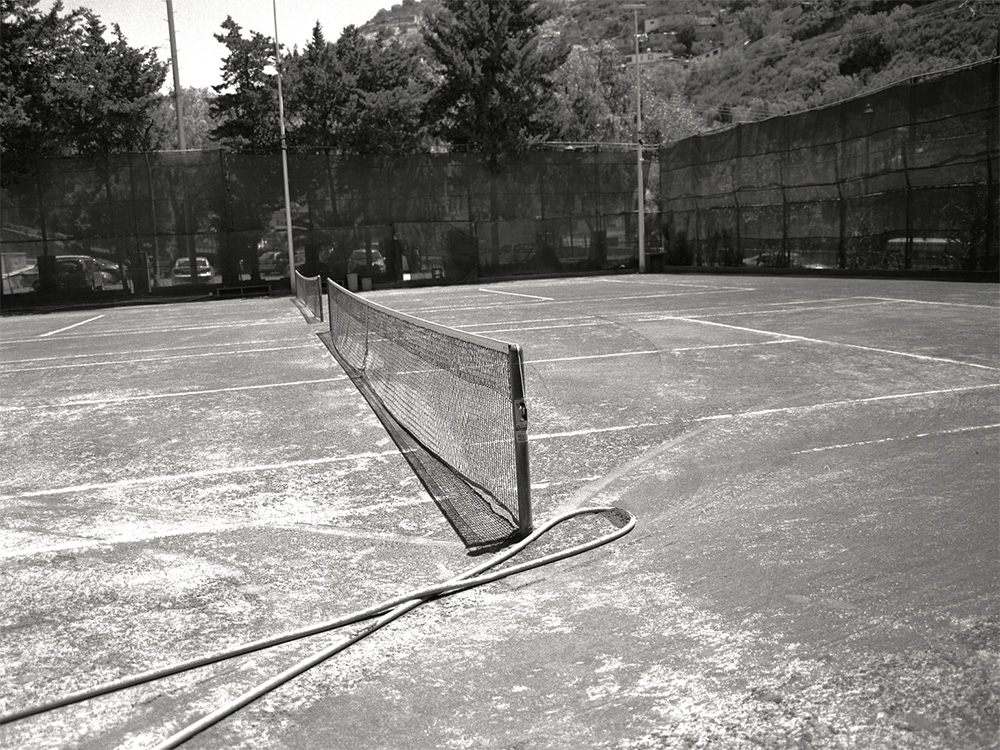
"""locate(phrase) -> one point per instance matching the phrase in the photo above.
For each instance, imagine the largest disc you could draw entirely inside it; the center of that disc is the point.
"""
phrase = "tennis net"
(454, 404)
(309, 291)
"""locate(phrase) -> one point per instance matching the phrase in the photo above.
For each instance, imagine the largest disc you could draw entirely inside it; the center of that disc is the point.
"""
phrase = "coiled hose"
(385, 611)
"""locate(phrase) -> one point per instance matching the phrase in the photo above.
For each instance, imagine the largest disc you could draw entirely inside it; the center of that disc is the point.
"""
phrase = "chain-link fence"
(153, 222)
(904, 178)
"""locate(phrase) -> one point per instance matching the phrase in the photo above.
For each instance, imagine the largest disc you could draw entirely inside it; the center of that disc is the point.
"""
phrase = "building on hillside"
(405, 28)
(661, 32)
(665, 23)
(705, 58)
(648, 57)
(708, 29)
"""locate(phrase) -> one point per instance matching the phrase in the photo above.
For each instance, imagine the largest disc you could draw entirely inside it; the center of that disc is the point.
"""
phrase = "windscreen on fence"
(418, 218)
(903, 178)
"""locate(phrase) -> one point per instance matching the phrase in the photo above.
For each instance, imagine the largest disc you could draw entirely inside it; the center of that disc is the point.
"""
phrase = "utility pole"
(182, 145)
(177, 76)
(284, 154)
(635, 8)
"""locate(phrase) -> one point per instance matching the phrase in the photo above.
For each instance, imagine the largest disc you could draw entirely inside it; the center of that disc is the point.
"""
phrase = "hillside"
(748, 59)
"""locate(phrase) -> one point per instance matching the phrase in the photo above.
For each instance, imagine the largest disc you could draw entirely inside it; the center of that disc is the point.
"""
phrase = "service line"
(801, 409)
(66, 328)
(151, 331)
(176, 394)
(861, 443)
(642, 352)
(826, 342)
(203, 474)
(120, 362)
(158, 350)
(516, 294)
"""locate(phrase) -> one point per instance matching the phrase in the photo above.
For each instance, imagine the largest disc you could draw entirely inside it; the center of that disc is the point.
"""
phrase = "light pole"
(635, 8)
(284, 153)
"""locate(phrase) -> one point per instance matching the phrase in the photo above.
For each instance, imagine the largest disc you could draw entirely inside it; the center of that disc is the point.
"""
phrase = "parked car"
(273, 262)
(72, 272)
(358, 262)
(182, 270)
(110, 270)
(22, 279)
(781, 260)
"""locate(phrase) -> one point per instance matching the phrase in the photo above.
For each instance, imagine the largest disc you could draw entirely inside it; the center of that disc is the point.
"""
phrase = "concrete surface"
(812, 462)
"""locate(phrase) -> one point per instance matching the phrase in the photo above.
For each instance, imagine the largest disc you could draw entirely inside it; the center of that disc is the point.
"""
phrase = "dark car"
(358, 262)
(72, 272)
(110, 270)
(273, 262)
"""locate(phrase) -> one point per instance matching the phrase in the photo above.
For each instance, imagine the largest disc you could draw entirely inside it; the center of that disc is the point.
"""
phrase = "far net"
(309, 291)
(454, 404)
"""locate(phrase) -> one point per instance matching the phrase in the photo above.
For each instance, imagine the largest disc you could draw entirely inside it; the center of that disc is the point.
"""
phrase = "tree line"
(486, 76)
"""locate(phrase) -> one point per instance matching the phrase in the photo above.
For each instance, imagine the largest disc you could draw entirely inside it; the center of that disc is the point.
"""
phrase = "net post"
(520, 415)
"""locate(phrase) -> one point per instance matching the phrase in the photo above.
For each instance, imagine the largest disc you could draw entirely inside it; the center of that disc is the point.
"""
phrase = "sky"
(144, 24)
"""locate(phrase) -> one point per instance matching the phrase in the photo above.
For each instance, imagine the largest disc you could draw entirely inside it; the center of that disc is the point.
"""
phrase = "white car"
(182, 270)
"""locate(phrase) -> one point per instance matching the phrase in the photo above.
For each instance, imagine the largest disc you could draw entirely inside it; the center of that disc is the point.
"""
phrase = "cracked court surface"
(812, 463)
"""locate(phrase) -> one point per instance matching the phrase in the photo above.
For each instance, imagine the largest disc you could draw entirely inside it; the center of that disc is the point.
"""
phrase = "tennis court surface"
(812, 463)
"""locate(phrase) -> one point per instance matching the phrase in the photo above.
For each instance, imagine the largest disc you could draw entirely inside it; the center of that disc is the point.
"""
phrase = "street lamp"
(635, 8)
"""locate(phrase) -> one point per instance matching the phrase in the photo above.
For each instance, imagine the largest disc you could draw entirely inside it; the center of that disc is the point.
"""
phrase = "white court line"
(156, 331)
(731, 346)
(845, 402)
(760, 412)
(177, 394)
(66, 328)
(204, 473)
(302, 523)
(573, 318)
(516, 294)
(120, 362)
(591, 356)
(591, 324)
(656, 351)
(158, 350)
(877, 350)
(715, 313)
(424, 311)
(928, 302)
(861, 443)
(645, 316)
(682, 285)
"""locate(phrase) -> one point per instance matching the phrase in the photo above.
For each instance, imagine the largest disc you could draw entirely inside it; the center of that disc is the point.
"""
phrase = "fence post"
(737, 185)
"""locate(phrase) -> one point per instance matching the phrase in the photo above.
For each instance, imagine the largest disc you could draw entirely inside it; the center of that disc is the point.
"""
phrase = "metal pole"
(284, 154)
(641, 197)
(177, 76)
(182, 145)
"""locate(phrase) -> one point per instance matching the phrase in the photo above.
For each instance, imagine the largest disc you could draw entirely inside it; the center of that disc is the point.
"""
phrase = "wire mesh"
(875, 182)
(449, 400)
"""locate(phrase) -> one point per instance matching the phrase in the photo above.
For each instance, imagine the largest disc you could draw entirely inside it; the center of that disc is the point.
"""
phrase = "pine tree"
(246, 108)
(66, 90)
(494, 72)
